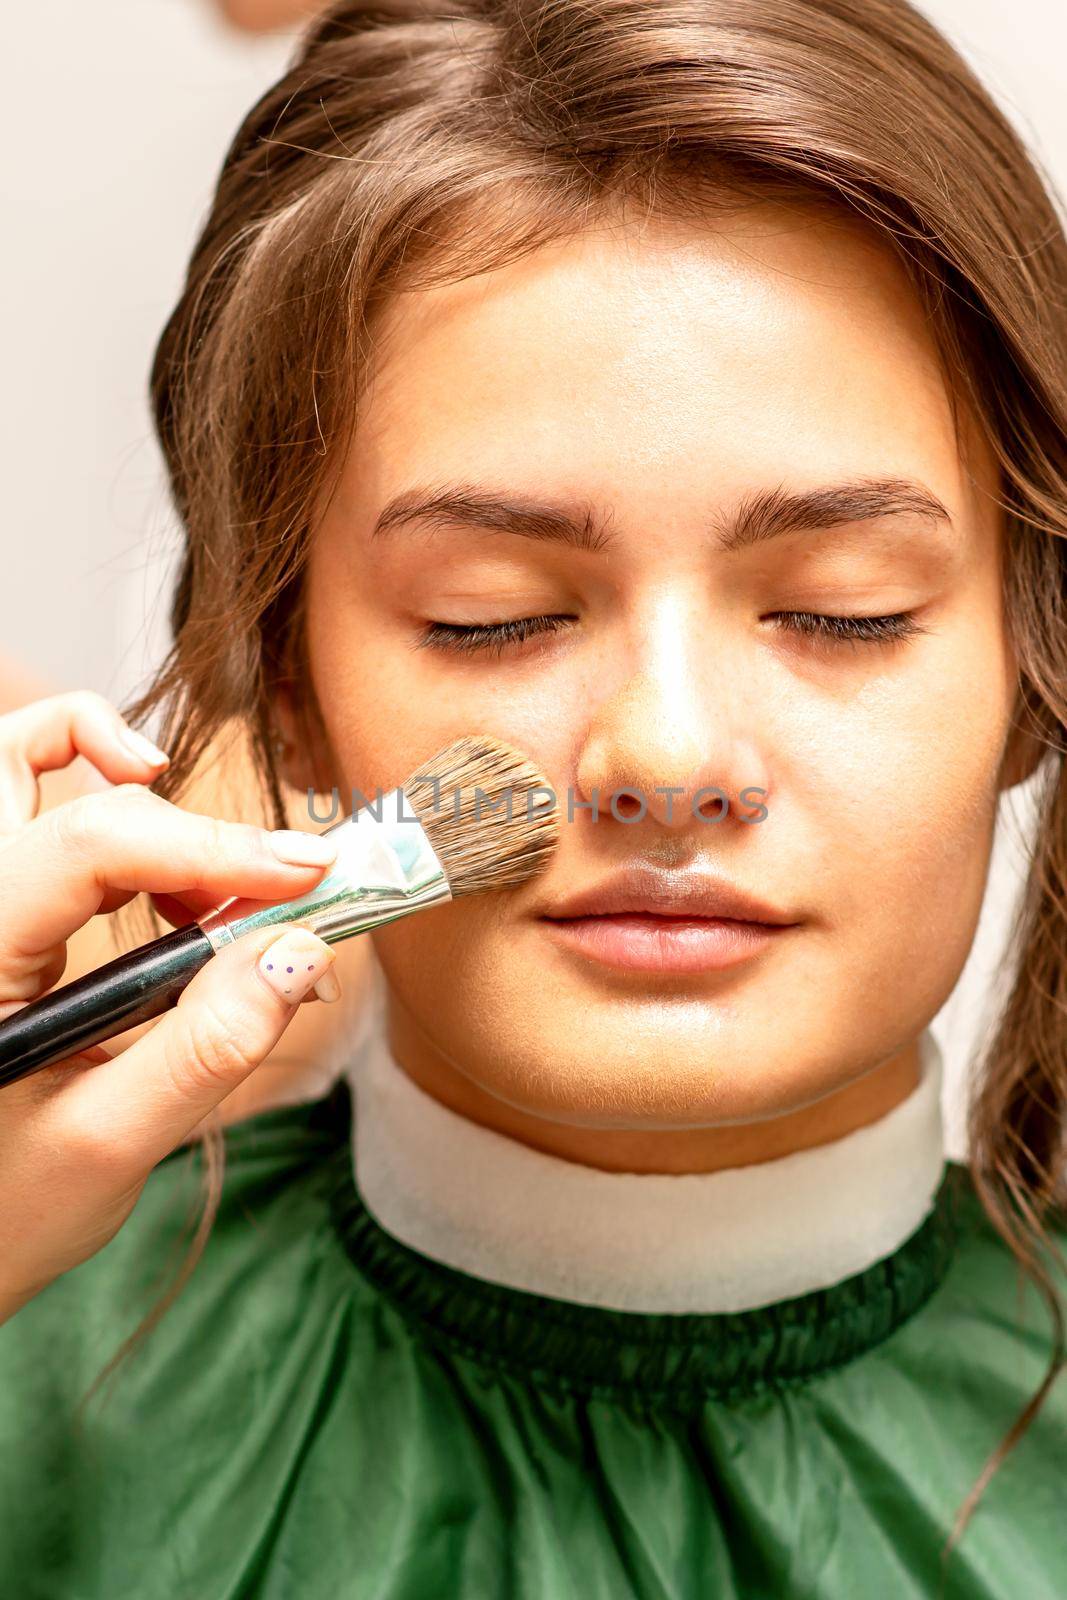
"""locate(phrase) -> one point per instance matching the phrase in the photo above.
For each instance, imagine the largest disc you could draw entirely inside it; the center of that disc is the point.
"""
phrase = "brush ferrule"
(385, 869)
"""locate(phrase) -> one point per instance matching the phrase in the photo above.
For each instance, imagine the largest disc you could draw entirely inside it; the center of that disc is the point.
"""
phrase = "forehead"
(771, 343)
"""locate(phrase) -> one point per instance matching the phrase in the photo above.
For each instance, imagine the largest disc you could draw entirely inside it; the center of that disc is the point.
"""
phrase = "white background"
(115, 116)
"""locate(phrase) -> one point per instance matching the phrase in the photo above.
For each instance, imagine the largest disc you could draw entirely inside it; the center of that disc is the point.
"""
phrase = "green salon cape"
(326, 1414)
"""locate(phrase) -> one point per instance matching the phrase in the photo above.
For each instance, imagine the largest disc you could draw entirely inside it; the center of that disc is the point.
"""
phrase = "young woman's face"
(753, 420)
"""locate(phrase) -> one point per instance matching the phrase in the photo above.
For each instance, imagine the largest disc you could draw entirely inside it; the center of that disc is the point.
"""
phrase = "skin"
(662, 372)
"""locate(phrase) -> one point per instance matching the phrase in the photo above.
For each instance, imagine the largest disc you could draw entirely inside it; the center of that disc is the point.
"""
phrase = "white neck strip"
(730, 1240)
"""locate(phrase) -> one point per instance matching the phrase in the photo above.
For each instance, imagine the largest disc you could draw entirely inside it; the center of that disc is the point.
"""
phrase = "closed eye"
(846, 629)
(486, 635)
(838, 629)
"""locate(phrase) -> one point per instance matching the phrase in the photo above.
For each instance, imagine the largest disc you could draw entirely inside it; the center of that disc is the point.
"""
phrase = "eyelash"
(855, 630)
(486, 635)
(498, 635)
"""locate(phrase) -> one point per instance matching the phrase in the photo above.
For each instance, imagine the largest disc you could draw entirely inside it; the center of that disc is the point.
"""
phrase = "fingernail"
(328, 987)
(295, 963)
(143, 748)
(299, 849)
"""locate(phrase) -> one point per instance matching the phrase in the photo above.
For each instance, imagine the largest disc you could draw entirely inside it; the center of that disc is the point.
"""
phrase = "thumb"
(229, 1017)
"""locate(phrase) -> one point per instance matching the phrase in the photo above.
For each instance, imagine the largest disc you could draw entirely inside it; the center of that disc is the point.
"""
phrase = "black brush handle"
(132, 989)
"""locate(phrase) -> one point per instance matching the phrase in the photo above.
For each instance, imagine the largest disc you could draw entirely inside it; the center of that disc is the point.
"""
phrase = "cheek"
(381, 725)
(457, 963)
(911, 816)
(389, 708)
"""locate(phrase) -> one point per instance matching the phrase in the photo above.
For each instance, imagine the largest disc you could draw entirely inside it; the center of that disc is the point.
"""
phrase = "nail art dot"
(288, 991)
(311, 968)
(270, 966)
(288, 969)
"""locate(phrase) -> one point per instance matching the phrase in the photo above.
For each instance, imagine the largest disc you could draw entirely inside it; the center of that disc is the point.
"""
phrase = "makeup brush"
(476, 817)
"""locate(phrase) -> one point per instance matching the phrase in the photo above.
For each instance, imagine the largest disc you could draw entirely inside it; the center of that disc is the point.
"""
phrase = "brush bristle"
(476, 803)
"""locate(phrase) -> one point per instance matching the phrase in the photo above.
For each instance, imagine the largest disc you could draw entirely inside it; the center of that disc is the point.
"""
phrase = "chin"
(612, 1081)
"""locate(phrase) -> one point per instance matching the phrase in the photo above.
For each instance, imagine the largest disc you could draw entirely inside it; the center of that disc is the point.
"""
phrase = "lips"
(645, 920)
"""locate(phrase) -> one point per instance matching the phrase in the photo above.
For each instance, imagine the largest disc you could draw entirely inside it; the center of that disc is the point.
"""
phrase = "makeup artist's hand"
(79, 1139)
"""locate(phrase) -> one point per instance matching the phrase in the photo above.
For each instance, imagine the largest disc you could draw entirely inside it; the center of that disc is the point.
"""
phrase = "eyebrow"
(767, 514)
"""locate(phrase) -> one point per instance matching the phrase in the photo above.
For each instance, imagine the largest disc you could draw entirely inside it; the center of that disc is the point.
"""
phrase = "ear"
(1023, 750)
(304, 755)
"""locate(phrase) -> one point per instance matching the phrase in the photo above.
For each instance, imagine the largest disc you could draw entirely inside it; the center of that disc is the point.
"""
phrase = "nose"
(674, 738)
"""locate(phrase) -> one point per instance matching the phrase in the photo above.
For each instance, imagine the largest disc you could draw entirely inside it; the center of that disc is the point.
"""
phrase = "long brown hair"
(415, 143)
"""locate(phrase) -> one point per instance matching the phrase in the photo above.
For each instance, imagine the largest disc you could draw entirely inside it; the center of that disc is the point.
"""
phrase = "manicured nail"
(328, 987)
(299, 849)
(143, 748)
(295, 963)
